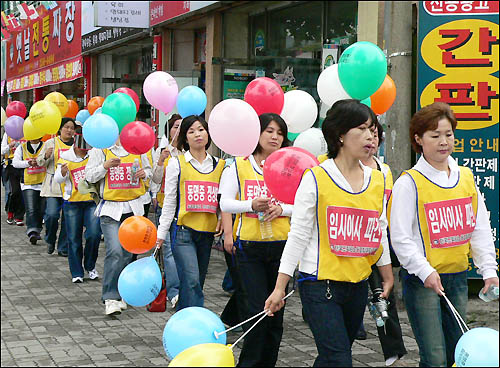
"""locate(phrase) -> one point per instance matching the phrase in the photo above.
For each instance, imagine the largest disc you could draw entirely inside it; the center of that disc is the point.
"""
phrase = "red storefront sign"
(461, 7)
(50, 40)
(160, 11)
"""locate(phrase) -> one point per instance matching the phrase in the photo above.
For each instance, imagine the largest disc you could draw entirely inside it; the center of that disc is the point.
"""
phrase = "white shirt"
(171, 181)
(405, 232)
(158, 171)
(229, 188)
(5, 144)
(20, 163)
(95, 172)
(68, 155)
(302, 243)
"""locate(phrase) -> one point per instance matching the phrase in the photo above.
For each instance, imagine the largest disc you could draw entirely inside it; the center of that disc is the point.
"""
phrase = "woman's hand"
(64, 169)
(433, 281)
(159, 243)
(141, 174)
(273, 212)
(219, 230)
(492, 281)
(275, 302)
(163, 156)
(112, 162)
(49, 152)
(229, 244)
(260, 204)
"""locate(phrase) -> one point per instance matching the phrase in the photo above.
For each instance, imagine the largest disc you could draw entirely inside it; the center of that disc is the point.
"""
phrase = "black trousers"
(258, 264)
(15, 203)
(234, 311)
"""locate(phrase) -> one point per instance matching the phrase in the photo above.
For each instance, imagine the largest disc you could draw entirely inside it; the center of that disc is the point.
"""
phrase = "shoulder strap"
(214, 162)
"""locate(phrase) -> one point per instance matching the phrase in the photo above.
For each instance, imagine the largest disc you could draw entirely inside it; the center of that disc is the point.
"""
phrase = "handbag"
(160, 303)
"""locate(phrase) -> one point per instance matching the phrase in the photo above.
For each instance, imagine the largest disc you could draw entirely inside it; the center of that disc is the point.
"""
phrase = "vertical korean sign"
(458, 64)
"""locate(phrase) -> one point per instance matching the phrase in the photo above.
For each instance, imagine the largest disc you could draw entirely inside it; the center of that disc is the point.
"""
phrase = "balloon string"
(455, 313)
(250, 329)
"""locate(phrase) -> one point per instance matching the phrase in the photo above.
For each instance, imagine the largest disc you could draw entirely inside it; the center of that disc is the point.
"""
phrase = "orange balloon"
(72, 109)
(137, 234)
(94, 104)
(384, 97)
(46, 137)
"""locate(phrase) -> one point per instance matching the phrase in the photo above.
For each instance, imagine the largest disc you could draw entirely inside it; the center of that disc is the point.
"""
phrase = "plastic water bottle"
(376, 314)
(266, 229)
(491, 294)
(133, 171)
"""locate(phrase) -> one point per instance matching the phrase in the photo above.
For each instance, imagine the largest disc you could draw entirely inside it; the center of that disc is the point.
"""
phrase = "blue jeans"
(334, 322)
(34, 205)
(78, 215)
(171, 276)
(6, 185)
(191, 250)
(435, 328)
(116, 259)
(52, 214)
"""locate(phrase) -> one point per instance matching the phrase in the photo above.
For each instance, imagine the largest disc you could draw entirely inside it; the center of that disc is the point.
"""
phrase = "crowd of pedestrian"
(349, 225)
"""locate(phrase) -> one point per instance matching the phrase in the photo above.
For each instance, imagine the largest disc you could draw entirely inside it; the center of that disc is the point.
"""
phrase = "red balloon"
(16, 108)
(131, 93)
(265, 95)
(283, 171)
(137, 137)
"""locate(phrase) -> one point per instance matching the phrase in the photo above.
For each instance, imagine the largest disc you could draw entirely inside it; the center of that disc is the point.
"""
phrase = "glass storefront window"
(342, 22)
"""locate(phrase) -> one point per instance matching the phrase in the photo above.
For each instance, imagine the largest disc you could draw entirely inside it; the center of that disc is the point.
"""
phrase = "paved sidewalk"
(48, 321)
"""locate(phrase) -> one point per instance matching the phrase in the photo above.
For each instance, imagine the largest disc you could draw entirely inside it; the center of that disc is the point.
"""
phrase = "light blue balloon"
(82, 115)
(477, 348)
(191, 100)
(98, 111)
(189, 327)
(140, 282)
(100, 131)
(367, 101)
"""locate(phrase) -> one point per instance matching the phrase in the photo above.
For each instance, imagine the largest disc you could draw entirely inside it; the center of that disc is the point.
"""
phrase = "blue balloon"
(140, 282)
(191, 100)
(189, 327)
(477, 348)
(98, 111)
(100, 131)
(82, 115)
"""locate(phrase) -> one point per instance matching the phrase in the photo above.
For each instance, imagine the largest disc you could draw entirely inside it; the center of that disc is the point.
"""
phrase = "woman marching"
(261, 228)
(189, 208)
(51, 190)
(338, 231)
(433, 255)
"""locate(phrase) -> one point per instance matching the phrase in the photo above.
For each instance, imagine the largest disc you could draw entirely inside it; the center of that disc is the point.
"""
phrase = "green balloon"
(121, 107)
(367, 101)
(292, 136)
(362, 69)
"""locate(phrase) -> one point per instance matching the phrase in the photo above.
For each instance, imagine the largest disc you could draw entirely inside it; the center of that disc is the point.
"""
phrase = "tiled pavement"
(48, 321)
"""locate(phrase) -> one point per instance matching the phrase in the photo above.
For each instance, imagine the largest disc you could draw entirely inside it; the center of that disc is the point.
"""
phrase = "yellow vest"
(10, 155)
(33, 174)
(117, 185)
(160, 196)
(389, 183)
(323, 157)
(249, 189)
(198, 196)
(76, 172)
(447, 218)
(349, 231)
(59, 147)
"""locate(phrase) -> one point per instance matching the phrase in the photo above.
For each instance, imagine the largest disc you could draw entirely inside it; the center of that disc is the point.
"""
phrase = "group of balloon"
(190, 337)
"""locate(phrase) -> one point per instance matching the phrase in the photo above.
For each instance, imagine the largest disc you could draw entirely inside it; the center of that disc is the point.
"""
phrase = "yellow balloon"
(30, 132)
(454, 365)
(204, 355)
(4, 116)
(59, 100)
(46, 117)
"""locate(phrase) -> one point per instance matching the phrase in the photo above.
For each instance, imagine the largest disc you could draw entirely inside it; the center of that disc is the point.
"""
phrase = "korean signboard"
(161, 11)
(47, 50)
(235, 82)
(132, 14)
(458, 64)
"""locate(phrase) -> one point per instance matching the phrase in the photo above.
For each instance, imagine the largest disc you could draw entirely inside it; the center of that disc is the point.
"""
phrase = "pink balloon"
(234, 127)
(283, 171)
(160, 89)
(131, 93)
(265, 95)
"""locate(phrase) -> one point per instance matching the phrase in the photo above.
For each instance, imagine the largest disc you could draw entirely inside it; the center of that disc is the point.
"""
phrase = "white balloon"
(312, 140)
(4, 116)
(330, 89)
(299, 111)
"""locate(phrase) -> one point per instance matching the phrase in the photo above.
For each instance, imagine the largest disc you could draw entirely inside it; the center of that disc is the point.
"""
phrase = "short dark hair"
(428, 118)
(343, 116)
(64, 121)
(380, 133)
(170, 123)
(182, 143)
(265, 120)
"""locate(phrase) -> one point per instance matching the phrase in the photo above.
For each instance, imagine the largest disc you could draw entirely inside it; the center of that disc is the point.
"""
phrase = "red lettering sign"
(119, 177)
(450, 222)
(353, 232)
(33, 170)
(77, 175)
(201, 196)
(254, 189)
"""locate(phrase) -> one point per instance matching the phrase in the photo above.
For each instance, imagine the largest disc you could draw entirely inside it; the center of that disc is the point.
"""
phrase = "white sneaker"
(112, 307)
(390, 361)
(93, 274)
(174, 301)
(122, 304)
(77, 280)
